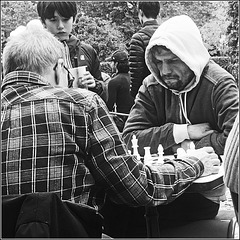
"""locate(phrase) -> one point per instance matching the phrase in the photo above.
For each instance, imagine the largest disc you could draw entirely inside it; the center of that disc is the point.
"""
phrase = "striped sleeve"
(231, 158)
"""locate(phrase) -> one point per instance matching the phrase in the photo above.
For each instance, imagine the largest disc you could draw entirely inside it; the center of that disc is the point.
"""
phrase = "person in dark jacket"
(58, 18)
(119, 86)
(147, 13)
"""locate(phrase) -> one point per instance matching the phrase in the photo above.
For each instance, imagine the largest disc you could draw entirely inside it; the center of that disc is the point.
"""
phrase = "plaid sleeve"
(127, 179)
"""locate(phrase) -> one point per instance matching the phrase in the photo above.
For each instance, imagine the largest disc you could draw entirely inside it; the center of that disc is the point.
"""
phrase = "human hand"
(209, 159)
(198, 131)
(60, 74)
(186, 144)
(88, 80)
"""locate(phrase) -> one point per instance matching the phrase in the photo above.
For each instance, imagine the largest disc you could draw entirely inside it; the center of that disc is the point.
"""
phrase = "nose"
(165, 68)
(60, 24)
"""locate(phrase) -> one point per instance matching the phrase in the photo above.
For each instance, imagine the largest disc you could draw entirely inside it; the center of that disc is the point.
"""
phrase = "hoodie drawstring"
(67, 59)
(184, 107)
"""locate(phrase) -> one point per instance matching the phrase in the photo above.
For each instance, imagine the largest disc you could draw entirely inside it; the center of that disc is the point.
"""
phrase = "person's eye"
(66, 19)
(158, 62)
(52, 19)
(174, 60)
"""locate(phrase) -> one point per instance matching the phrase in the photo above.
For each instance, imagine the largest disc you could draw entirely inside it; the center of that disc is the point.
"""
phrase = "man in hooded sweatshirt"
(187, 97)
(58, 18)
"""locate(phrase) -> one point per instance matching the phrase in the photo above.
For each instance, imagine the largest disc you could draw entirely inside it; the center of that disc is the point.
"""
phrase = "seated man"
(186, 98)
(63, 140)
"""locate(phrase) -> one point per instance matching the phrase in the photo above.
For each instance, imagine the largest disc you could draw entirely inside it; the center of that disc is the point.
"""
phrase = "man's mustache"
(169, 77)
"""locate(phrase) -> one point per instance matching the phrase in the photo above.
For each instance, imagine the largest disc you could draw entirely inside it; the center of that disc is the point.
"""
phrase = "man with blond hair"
(63, 140)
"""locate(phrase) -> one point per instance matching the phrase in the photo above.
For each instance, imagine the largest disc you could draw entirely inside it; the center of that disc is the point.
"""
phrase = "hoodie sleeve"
(146, 125)
(225, 99)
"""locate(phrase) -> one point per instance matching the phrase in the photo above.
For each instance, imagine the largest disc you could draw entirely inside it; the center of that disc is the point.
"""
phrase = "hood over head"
(182, 37)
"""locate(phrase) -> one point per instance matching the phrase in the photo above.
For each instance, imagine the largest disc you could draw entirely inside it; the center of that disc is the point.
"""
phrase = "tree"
(215, 29)
(16, 13)
(99, 33)
(233, 41)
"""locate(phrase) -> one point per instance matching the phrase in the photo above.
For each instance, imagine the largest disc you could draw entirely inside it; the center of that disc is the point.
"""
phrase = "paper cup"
(78, 73)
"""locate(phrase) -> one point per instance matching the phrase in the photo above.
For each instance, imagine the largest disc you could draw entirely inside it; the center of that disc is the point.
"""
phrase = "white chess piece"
(160, 153)
(181, 152)
(147, 156)
(135, 147)
(191, 149)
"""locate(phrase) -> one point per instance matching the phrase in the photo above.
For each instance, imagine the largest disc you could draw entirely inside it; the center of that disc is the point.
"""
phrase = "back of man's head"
(150, 9)
(32, 49)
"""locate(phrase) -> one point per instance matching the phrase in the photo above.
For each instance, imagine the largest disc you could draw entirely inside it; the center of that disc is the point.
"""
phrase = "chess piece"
(181, 152)
(147, 155)
(191, 149)
(135, 147)
(160, 153)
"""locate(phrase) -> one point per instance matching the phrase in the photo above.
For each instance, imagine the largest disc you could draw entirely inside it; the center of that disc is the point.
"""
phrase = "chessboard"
(205, 183)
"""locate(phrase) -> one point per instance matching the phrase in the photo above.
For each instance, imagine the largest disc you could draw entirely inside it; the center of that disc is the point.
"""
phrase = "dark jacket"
(119, 93)
(44, 215)
(76, 49)
(138, 69)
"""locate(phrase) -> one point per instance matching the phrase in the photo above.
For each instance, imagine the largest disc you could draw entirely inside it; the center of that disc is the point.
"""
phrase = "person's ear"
(61, 78)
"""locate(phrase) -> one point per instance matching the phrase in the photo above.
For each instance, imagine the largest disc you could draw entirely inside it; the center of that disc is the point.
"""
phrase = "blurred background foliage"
(109, 25)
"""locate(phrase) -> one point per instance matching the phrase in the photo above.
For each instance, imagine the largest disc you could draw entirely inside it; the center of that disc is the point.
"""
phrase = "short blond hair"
(32, 49)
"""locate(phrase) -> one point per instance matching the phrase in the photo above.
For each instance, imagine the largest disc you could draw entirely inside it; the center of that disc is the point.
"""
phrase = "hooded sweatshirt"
(191, 50)
(180, 35)
(160, 115)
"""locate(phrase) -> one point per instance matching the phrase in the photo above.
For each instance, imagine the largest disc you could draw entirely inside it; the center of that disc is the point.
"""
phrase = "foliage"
(96, 32)
(113, 28)
(199, 11)
(16, 13)
(214, 30)
(233, 41)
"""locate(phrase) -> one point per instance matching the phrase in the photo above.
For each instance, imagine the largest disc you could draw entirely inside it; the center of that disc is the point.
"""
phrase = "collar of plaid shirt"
(64, 141)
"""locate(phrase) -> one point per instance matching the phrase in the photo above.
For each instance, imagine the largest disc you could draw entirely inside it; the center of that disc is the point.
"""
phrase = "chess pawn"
(181, 152)
(160, 153)
(147, 155)
(191, 149)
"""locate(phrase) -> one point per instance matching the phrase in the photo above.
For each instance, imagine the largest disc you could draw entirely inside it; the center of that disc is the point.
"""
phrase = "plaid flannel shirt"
(63, 140)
